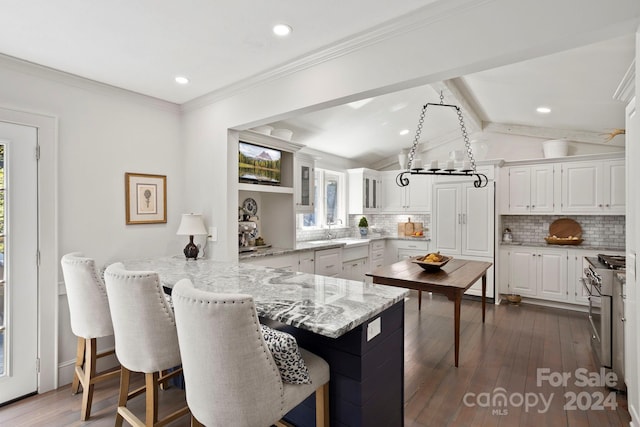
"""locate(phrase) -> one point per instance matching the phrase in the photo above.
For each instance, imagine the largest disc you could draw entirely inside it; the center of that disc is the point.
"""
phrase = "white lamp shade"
(191, 225)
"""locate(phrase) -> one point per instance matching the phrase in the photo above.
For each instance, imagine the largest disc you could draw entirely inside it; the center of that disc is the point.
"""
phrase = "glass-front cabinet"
(304, 184)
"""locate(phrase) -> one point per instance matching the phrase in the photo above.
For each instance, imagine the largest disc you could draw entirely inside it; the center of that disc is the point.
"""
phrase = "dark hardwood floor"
(499, 358)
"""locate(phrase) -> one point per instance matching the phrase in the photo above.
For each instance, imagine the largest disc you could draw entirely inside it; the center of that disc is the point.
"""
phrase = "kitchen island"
(357, 327)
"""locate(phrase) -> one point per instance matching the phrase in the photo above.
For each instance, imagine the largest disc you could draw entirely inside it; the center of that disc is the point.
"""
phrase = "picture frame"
(145, 198)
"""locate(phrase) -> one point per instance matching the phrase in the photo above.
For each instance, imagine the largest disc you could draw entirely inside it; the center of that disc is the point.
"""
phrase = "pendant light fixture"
(468, 166)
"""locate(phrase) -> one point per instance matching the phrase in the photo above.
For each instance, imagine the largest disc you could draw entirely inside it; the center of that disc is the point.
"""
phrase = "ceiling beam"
(454, 93)
(588, 137)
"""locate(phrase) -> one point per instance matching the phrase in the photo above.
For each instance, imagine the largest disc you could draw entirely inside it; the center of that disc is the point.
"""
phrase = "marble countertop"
(313, 245)
(546, 245)
(324, 305)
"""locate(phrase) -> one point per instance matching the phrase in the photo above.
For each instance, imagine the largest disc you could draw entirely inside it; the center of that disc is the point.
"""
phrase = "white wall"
(103, 132)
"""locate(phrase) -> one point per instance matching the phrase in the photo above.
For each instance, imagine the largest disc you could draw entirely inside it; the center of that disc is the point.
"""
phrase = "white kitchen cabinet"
(328, 262)
(376, 253)
(365, 191)
(307, 262)
(531, 189)
(463, 219)
(304, 184)
(355, 262)
(537, 272)
(594, 187)
(414, 198)
(404, 249)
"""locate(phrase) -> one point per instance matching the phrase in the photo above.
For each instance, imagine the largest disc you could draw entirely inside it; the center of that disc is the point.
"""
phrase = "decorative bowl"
(514, 299)
(431, 266)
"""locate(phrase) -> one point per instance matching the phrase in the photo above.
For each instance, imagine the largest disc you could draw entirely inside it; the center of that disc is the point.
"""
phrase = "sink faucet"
(329, 235)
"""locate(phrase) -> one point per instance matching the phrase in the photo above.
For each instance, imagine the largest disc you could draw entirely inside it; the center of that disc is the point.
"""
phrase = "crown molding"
(415, 20)
(626, 89)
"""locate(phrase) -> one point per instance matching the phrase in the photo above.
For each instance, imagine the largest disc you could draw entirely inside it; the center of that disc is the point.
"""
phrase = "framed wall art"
(146, 198)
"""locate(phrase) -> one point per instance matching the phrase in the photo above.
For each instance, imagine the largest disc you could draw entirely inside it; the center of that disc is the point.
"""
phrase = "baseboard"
(553, 304)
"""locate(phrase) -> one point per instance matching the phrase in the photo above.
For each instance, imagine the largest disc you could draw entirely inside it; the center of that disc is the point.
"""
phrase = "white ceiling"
(141, 46)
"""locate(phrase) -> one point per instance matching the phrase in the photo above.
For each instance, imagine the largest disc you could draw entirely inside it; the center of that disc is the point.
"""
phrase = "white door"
(477, 220)
(542, 188)
(19, 271)
(552, 275)
(447, 218)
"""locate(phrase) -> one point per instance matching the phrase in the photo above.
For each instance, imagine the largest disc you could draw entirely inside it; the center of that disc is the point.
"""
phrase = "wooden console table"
(452, 280)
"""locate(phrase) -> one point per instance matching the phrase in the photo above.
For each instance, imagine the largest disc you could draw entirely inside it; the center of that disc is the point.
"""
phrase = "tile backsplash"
(384, 224)
(597, 230)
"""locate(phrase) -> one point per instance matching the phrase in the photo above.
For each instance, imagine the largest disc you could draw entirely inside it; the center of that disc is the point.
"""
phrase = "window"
(329, 200)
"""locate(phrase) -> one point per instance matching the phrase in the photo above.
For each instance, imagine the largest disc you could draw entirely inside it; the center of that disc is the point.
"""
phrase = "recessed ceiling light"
(404, 131)
(282, 30)
(543, 110)
(182, 80)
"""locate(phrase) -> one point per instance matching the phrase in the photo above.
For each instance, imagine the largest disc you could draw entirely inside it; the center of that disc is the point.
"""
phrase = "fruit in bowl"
(432, 261)
(433, 257)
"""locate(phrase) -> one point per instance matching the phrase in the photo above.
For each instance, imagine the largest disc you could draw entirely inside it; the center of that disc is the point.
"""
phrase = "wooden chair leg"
(195, 423)
(419, 300)
(151, 381)
(125, 378)
(75, 385)
(322, 405)
(87, 378)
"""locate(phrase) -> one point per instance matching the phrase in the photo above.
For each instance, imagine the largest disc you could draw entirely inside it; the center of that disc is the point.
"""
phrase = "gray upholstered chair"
(146, 339)
(90, 319)
(231, 377)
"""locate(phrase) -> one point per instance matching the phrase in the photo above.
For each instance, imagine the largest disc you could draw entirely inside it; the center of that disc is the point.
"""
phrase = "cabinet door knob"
(607, 205)
(600, 205)
(533, 206)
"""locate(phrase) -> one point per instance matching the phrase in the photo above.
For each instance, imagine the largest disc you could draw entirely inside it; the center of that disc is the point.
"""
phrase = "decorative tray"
(563, 240)
(564, 231)
(431, 266)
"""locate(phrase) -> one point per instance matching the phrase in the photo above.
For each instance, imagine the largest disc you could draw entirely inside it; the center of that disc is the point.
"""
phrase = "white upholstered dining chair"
(90, 319)
(231, 377)
(146, 339)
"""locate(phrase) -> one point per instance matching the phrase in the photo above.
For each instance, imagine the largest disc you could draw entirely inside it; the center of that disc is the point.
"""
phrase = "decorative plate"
(250, 206)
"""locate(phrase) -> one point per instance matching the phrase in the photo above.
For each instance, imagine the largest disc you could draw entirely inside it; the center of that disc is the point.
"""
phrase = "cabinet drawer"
(377, 245)
(355, 252)
(377, 255)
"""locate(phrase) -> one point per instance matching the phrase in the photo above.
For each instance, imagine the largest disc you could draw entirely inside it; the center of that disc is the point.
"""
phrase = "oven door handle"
(586, 285)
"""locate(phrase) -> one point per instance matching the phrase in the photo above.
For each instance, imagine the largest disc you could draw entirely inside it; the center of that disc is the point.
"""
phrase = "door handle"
(459, 215)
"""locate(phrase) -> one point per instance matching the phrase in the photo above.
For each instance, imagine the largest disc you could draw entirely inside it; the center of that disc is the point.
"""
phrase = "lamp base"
(191, 250)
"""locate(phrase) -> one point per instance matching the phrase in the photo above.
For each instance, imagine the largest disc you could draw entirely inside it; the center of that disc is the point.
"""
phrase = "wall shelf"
(243, 186)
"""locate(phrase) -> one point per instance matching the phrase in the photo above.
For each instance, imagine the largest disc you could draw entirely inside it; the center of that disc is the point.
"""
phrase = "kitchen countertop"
(546, 245)
(314, 245)
(324, 305)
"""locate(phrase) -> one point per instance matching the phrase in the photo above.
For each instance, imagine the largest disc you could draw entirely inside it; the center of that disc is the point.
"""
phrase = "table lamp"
(191, 225)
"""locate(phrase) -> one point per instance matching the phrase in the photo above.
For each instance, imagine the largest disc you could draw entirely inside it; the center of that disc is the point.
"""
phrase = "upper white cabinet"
(365, 191)
(304, 184)
(594, 187)
(463, 219)
(414, 198)
(531, 189)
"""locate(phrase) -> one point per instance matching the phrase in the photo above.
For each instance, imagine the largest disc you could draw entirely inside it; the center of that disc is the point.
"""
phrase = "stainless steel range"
(599, 285)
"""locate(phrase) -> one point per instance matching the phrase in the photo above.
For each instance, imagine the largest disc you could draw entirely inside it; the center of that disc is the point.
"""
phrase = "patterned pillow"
(285, 351)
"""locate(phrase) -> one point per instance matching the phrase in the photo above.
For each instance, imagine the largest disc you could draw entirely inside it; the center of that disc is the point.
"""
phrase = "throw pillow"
(285, 351)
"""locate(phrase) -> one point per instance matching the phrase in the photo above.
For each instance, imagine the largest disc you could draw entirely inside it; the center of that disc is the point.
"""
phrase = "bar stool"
(90, 319)
(146, 339)
(231, 376)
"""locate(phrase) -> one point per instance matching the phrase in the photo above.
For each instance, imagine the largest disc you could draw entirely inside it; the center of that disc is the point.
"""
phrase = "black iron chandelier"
(468, 168)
